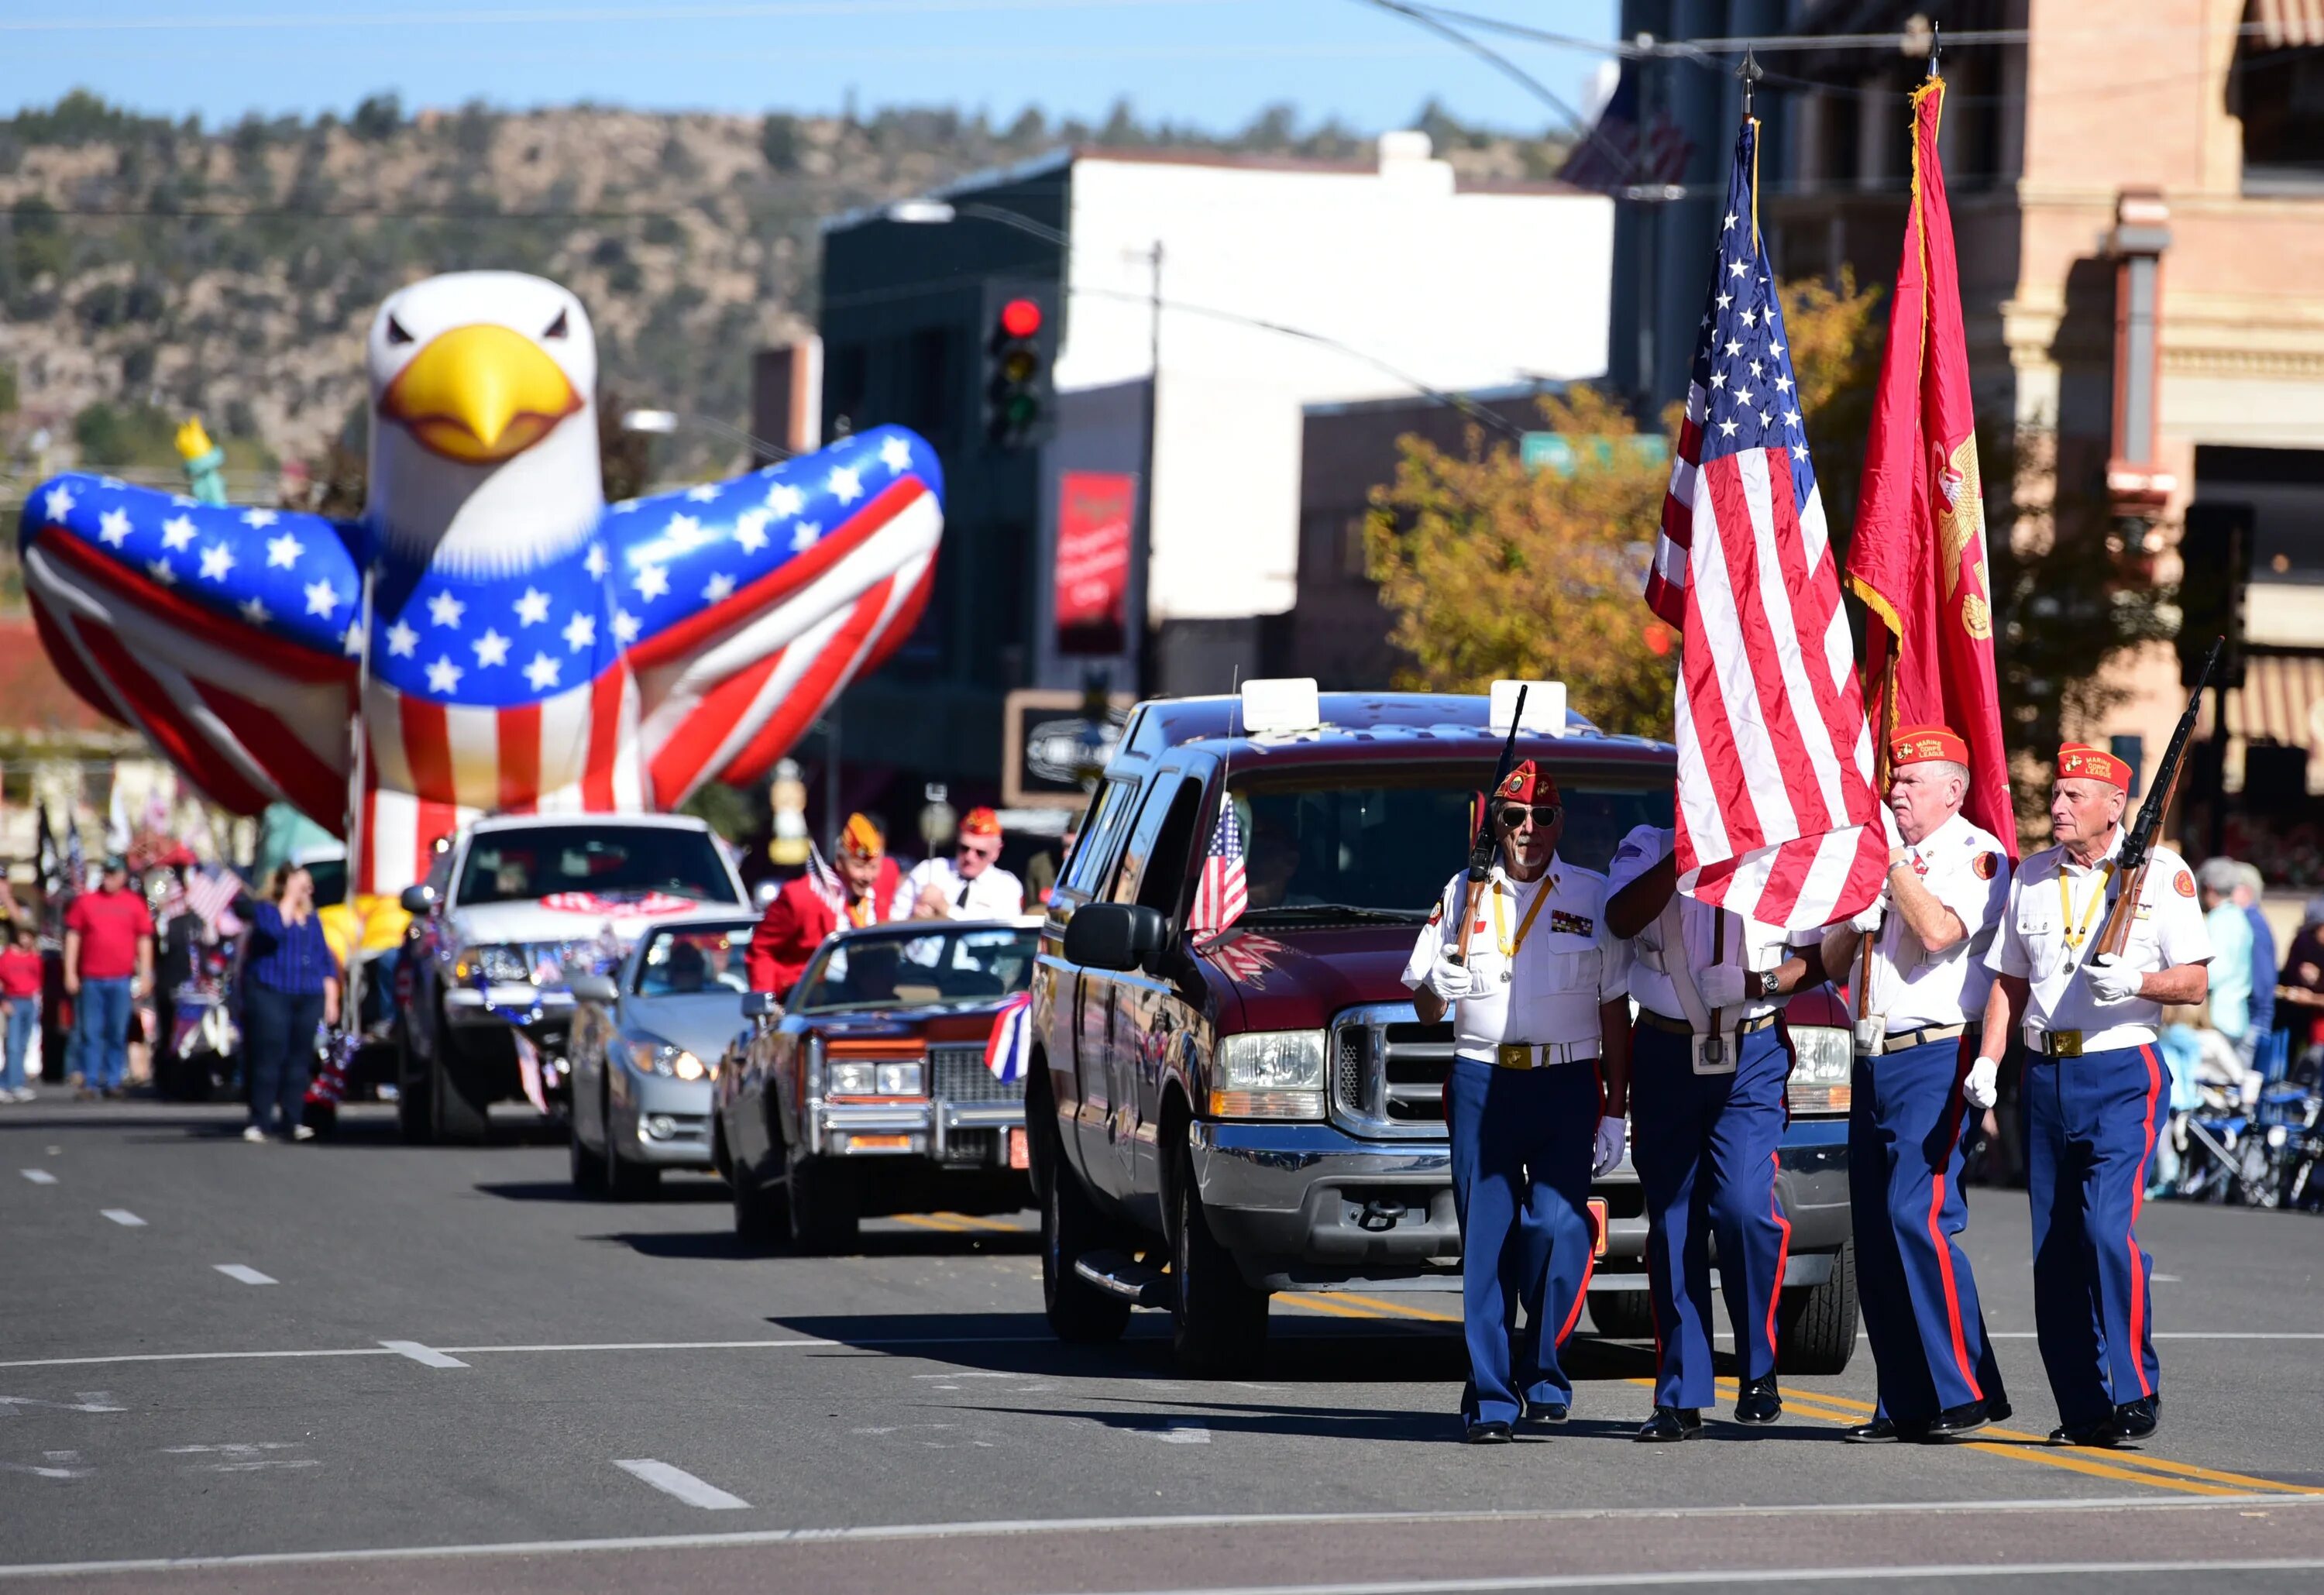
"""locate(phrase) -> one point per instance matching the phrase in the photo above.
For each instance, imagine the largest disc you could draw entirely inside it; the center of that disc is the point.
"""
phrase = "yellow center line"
(2117, 1464)
(983, 1223)
(1397, 1309)
(1317, 1303)
(924, 1222)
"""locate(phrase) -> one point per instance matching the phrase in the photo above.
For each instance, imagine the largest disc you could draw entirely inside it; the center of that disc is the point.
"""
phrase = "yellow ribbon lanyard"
(2076, 935)
(1501, 925)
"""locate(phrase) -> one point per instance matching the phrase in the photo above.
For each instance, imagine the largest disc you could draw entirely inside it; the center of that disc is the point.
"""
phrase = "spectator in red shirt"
(20, 1003)
(108, 962)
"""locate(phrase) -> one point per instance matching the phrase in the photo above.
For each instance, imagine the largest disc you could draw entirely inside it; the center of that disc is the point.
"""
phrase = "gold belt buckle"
(2065, 1044)
(1513, 1054)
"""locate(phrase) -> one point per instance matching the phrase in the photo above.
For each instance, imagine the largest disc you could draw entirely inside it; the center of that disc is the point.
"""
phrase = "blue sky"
(1212, 62)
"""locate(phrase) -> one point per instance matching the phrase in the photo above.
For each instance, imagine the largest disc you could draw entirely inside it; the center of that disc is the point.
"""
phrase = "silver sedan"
(645, 1043)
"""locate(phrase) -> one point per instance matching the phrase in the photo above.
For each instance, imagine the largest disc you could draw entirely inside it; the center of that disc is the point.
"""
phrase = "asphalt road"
(358, 1365)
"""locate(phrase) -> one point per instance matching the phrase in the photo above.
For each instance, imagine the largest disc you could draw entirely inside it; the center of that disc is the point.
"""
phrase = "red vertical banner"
(1095, 512)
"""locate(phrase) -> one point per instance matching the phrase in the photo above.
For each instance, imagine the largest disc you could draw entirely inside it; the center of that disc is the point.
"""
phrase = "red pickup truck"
(1212, 1123)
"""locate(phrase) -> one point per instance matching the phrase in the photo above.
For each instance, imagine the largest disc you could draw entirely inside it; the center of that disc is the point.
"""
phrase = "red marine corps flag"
(1777, 817)
(1918, 557)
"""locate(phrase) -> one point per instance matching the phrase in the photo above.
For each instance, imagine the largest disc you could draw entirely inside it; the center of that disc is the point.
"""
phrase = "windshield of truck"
(920, 969)
(687, 959)
(601, 860)
(1326, 843)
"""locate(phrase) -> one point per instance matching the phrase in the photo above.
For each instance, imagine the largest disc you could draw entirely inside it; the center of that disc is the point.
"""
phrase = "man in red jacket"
(804, 911)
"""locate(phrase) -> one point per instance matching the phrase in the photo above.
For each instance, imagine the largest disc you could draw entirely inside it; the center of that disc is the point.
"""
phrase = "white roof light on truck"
(1275, 705)
(1545, 708)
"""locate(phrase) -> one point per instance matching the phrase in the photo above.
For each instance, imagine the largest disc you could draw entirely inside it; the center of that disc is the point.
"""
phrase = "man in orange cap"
(1915, 1083)
(971, 884)
(1533, 1104)
(869, 889)
(2093, 1088)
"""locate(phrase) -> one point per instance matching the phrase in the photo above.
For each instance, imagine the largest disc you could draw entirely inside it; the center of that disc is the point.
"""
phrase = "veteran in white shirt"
(971, 884)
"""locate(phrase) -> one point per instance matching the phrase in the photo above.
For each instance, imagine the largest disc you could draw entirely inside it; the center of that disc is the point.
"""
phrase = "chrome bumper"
(932, 1127)
(466, 1006)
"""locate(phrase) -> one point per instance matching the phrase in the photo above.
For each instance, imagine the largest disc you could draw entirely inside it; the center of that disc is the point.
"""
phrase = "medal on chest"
(1502, 938)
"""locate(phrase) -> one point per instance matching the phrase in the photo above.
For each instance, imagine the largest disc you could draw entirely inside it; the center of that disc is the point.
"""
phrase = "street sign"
(1049, 747)
(1561, 452)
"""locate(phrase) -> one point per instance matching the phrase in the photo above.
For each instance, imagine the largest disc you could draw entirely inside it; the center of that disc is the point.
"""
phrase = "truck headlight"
(1269, 1074)
(1823, 1063)
(500, 966)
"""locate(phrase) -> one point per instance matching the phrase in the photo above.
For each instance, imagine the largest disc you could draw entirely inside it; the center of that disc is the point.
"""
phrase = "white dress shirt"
(2036, 941)
(1967, 870)
(1541, 963)
(1679, 942)
(996, 894)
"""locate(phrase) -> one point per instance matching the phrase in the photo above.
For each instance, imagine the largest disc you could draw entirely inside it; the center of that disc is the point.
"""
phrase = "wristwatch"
(1771, 983)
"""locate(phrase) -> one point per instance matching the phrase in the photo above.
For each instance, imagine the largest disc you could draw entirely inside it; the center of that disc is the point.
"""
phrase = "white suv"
(506, 909)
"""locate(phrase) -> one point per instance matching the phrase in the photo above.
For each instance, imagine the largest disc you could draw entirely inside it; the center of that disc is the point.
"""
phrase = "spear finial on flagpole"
(1749, 72)
(1936, 47)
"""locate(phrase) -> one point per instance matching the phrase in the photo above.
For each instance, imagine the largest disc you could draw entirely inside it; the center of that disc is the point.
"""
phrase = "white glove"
(1448, 980)
(1888, 826)
(1613, 1134)
(1722, 985)
(1868, 922)
(1978, 1085)
(2113, 981)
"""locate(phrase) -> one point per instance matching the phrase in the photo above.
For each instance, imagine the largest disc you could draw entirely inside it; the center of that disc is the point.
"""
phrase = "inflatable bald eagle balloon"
(490, 635)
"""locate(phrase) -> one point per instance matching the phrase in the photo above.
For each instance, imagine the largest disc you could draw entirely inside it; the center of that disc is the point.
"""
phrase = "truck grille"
(959, 1075)
(1387, 1079)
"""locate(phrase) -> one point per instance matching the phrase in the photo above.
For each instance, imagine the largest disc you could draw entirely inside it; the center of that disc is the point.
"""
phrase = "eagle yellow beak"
(481, 393)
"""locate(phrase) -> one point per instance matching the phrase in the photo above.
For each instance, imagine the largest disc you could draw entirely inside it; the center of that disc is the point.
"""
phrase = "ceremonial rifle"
(2138, 842)
(1481, 851)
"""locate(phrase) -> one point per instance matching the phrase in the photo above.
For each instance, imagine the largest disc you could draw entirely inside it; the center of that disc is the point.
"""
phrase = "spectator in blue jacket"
(2249, 885)
(289, 988)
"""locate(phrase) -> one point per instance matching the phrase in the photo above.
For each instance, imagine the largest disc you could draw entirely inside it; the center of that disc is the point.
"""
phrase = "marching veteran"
(1710, 1068)
(871, 889)
(1916, 1082)
(1535, 1100)
(971, 884)
(2093, 1089)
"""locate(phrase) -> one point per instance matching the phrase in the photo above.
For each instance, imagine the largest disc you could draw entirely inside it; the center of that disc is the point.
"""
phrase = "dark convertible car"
(882, 1086)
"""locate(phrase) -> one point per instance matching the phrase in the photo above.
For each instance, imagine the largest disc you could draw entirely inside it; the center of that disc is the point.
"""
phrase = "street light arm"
(1010, 218)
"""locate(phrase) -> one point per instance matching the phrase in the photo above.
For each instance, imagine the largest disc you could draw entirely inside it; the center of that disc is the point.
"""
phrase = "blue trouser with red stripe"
(1919, 1297)
(2091, 1124)
(1522, 1140)
(1704, 1146)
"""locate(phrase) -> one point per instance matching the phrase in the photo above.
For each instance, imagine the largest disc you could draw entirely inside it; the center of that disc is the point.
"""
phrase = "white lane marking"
(125, 1218)
(992, 1528)
(54, 1464)
(682, 1484)
(1183, 1434)
(426, 1356)
(242, 1456)
(1757, 1575)
(246, 1273)
(82, 1401)
(38, 1176)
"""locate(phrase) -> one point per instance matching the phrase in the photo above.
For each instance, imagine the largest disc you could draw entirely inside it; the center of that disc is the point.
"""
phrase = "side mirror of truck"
(592, 988)
(418, 899)
(1112, 935)
(761, 1005)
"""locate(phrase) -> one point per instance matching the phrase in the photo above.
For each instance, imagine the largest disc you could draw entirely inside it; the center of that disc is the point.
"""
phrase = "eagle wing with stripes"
(743, 607)
(226, 635)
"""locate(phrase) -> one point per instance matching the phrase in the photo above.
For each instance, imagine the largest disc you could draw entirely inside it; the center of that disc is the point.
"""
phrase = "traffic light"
(2215, 555)
(1020, 342)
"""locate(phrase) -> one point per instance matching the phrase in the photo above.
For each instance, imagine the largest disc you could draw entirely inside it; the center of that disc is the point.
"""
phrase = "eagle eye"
(395, 333)
(556, 329)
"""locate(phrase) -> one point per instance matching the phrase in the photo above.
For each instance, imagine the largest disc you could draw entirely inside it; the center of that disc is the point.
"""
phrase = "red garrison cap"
(2080, 762)
(1919, 744)
(1527, 782)
(980, 821)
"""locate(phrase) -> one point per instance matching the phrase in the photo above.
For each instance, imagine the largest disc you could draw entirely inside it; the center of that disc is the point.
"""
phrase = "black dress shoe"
(2135, 1420)
(1488, 1432)
(1672, 1424)
(2100, 1434)
(1760, 1403)
(1546, 1412)
(1878, 1432)
(1958, 1422)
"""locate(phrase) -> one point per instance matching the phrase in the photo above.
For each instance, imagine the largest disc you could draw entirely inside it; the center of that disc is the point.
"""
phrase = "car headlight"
(900, 1079)
(1269, 1074)
(852, 1079)
(659, 1057)
(1824, 1061)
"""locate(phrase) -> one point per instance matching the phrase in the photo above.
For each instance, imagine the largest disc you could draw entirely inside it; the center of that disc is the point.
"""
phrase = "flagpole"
(1883, 759)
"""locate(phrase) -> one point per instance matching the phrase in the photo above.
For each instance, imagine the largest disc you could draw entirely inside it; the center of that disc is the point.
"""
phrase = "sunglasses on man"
(1541, 814)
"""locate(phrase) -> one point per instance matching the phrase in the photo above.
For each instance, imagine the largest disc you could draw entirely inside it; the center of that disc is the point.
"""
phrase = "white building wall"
(1448, 290)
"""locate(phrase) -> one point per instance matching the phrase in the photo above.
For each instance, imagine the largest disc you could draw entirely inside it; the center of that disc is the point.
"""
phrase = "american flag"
(209, 893)
(1223, 891)
(1010, 1046)
(1614, 156)
(1776, 816)
(689, 637)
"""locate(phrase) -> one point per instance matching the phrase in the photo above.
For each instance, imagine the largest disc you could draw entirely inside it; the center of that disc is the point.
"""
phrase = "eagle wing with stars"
(226, 635)
(743, 607)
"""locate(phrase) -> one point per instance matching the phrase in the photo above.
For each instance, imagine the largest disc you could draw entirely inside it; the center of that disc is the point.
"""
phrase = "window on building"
(929, 406)
(847, 377)
(2279, 94)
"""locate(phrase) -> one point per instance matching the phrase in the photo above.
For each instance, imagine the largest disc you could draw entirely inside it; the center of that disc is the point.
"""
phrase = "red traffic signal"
(1020, 318)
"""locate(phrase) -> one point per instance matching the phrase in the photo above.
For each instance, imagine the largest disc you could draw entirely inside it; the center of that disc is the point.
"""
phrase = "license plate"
(1598, 1224)
(1019, 1155)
